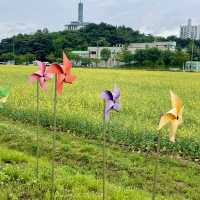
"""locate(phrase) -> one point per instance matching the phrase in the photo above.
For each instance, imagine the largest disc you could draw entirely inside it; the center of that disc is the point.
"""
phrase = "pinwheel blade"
(165, 119)
(55, 69)
(3, 99)
(4, 93)
(117, 107)
(48, 76)
(34, 77)
(42, 83)
(60, 79)
(42, 67)
(108, 107)
(180, 118)
(107, 95)
(173, 129)
(70, 79)
(116, 93)
(67, 65)
(176, 102)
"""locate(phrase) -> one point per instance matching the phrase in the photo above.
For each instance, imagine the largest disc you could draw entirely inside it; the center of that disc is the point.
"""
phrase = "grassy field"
(131, 136)
(145, 95)
(79, 171)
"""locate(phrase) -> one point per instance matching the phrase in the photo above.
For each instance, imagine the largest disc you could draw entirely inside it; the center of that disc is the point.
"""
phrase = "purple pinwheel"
(112, 101)
(42, 76)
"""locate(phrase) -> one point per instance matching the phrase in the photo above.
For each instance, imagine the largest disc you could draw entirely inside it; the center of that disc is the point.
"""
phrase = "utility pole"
(192, 54)
(13, 48)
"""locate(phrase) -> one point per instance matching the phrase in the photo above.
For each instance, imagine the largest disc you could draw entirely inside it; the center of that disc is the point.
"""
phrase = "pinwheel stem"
(104, 156)
(37, 134)
(104, 162)
(54, 133)
(155, 179)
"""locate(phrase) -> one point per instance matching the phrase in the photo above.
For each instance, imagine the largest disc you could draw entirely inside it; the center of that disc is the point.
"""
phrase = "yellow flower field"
(145, 96)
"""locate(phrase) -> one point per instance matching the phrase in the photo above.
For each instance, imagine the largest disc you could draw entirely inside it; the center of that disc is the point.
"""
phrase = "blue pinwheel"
(111, 101)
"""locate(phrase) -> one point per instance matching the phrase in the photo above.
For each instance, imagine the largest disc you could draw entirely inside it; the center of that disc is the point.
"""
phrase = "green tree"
(75, 57)
(125, 56)
(86, 61)
(6, 57)
(168, 57)
(140, 56)
(51, 57)
(96, 61)
(105, 55)
(153, 55)
(180, 58)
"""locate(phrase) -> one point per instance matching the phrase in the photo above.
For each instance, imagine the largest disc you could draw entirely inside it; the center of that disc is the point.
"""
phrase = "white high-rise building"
(76, 25)
(190, 31)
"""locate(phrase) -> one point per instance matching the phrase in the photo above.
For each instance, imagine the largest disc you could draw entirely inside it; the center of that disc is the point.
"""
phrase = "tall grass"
(145, 95)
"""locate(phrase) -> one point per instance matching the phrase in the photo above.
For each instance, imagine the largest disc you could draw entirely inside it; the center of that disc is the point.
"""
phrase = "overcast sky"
(160, 17)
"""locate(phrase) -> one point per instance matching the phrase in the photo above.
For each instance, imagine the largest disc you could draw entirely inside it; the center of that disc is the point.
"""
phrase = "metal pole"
(14, 49)
(37, 134)
(54, 132)
(104, 155)
(155, 179)
(192, 54)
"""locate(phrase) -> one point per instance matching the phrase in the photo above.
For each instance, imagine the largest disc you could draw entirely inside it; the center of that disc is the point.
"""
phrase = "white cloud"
(152, 16)
(10, 29)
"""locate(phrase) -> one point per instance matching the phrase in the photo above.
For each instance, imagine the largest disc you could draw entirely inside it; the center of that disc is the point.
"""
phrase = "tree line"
(46, 46)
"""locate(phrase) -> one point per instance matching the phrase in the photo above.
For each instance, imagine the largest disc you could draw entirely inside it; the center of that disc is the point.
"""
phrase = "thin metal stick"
(104, 156)
(53, 147)
(155, 179)
(37, 134)
(104, 163)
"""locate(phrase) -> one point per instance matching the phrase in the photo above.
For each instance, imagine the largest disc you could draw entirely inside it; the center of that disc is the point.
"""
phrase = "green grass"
(131, 137)
(145, 95)
(79, 171)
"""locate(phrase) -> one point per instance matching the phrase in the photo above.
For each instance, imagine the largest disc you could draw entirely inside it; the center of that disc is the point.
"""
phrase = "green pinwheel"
(4, 93)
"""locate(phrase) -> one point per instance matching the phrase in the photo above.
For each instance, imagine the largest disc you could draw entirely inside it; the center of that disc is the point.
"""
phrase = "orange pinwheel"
(174, 116)
(63, 73)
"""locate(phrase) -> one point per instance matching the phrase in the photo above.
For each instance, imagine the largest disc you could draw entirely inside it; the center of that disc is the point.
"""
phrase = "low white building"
(171, 46)
(83, 54)
(192, 66)
(75, 26)
(95, 52)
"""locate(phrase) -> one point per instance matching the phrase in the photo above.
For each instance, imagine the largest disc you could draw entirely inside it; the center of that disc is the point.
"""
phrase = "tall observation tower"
(76, 25)
(80, 12)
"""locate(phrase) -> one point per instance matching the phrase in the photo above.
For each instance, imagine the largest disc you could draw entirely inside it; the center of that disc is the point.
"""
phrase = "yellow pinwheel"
(174, 116)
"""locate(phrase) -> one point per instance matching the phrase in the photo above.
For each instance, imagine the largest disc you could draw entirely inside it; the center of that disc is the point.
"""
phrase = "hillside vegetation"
(46, 46)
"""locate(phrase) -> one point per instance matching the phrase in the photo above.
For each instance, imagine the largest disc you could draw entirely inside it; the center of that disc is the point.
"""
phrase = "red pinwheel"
(42, 76)
(63, 73)
(112, 101)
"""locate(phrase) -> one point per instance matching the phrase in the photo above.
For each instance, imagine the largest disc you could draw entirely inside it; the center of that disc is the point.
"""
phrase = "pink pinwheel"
(111, 100)
(42, 76)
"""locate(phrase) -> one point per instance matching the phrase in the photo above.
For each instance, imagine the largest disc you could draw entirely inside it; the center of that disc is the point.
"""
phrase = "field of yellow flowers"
(144, 97)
